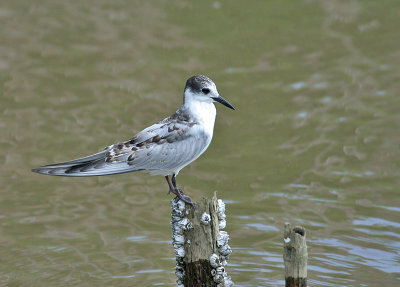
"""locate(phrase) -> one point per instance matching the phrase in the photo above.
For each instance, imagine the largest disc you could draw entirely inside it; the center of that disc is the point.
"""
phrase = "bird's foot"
(182, 196)
(174, 191)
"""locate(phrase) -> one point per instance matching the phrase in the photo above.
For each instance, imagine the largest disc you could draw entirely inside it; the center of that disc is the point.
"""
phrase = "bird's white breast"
(204, 114)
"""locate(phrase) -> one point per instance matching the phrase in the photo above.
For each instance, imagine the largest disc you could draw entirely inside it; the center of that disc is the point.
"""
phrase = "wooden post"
(295, 256)
(201, 248)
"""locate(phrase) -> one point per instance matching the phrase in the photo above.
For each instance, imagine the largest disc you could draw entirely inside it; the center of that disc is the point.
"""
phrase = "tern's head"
(201, 88)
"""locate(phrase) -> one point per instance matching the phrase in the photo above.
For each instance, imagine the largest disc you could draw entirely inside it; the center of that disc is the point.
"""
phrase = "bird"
(160, 149)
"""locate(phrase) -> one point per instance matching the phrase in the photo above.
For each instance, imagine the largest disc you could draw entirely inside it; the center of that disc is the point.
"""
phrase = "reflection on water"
(314, 139)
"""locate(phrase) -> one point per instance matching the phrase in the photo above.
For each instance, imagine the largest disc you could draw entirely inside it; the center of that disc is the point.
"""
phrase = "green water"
(314, 140)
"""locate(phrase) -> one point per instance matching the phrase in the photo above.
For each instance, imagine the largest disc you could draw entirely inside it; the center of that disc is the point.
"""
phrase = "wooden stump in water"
(295, 256)
(201, 248)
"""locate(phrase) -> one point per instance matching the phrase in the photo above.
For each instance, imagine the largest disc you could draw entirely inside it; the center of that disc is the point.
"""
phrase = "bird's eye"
(205, 91)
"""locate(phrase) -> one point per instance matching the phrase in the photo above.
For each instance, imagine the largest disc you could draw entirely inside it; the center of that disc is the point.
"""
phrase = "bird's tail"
(92, 165)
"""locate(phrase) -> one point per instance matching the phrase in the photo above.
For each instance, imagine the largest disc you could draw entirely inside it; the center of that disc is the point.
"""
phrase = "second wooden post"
(295, 256)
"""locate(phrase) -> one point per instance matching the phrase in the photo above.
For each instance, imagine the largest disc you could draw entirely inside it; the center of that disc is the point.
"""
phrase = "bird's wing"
(164, 145)
(91, 165)
(177, 148)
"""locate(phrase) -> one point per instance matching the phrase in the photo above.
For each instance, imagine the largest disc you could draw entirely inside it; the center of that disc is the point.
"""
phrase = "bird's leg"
(179, 192)
(174, 181)
(171, 187)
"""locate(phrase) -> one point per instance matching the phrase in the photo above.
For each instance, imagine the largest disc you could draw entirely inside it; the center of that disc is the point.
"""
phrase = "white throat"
(202, 111)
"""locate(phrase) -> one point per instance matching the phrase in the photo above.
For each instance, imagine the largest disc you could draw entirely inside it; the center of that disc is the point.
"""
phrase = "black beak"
(221, 100)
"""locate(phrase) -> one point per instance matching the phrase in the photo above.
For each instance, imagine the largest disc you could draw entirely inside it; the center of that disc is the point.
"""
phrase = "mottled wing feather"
(163, 146)
(166, 145)
(82, 160)
(169, 155)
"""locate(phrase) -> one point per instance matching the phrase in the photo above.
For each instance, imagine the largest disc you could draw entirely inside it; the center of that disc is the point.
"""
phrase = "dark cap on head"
(202, 84)
(196, 83)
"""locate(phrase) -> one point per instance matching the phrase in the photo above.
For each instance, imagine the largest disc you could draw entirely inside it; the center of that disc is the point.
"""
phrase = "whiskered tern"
(161, 149)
